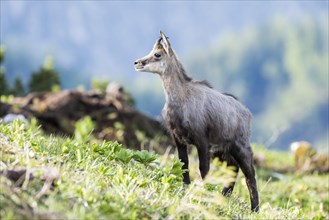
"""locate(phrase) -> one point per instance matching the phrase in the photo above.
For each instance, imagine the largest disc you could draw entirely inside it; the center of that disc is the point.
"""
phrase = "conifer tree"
(46, 78)
(3, 81)
(18, 89)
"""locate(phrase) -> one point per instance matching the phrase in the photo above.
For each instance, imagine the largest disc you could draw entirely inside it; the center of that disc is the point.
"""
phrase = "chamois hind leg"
(243, 156)
(183, 156)
(204, 157)
(222, 156)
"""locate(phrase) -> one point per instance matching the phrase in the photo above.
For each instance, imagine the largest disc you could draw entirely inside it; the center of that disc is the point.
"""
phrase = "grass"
(104, 180)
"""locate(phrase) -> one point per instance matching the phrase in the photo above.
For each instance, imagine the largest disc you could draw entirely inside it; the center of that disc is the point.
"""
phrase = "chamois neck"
(175, 80)
(176, 69)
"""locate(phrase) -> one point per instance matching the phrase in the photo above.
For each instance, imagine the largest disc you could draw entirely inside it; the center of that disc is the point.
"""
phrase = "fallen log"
(114, 118)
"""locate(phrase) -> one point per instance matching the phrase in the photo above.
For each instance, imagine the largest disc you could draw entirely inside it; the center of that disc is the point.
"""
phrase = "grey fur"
(195, 114)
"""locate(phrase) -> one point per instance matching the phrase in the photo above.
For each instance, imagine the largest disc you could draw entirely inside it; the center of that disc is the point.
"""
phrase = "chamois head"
(157, 60)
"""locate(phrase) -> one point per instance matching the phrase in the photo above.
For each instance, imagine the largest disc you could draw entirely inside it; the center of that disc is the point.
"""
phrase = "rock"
(307, 159)
(9, 118)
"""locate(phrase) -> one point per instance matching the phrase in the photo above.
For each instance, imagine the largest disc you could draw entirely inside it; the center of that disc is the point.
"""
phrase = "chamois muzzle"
(139, 64)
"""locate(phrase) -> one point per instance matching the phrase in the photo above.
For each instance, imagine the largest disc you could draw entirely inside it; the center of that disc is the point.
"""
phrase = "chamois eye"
(157, 55)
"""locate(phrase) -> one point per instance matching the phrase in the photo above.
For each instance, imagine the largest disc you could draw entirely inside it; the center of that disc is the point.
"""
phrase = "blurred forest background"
(273, 55)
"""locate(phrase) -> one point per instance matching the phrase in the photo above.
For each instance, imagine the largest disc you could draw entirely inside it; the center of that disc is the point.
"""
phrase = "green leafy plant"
(124, 155)
(99, 85)
(83, 129)
(144, 156)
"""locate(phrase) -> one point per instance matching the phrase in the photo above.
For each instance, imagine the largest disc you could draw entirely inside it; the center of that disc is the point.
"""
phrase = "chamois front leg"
(183, 156)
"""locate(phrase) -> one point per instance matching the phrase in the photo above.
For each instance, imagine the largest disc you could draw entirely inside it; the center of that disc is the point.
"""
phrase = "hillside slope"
(96, 180)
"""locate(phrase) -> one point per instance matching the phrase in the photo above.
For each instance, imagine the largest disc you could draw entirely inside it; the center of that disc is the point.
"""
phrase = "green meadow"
(83, 178)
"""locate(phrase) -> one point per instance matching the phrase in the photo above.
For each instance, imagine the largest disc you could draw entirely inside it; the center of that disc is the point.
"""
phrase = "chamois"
(195, 114)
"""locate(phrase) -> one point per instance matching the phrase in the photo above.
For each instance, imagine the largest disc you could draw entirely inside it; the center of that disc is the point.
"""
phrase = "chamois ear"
(166, 44)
